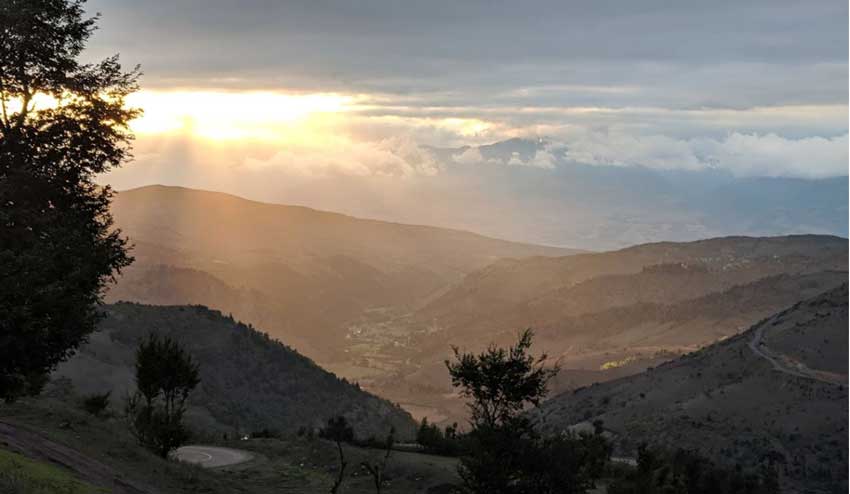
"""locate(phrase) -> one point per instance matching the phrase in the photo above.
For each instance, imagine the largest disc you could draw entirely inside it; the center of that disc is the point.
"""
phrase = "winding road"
(783, 365)
(212, 456)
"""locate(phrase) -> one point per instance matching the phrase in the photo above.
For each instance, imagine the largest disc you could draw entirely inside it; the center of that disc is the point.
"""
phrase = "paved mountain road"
(212, 456)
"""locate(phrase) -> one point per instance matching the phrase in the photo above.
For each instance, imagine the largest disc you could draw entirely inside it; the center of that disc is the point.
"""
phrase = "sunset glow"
(219, 115)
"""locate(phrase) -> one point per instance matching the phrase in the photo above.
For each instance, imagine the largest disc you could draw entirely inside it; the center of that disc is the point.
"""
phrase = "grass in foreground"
(21, 475)
(290, 464)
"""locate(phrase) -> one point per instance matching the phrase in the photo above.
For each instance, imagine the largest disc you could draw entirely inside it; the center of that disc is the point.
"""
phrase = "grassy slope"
(290, 464)
(22, 475)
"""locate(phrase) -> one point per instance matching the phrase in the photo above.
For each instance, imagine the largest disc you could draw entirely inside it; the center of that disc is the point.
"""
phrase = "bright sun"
(219, 115)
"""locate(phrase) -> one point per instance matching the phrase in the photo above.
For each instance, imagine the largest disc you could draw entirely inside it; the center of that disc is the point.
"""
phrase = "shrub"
(97, 403)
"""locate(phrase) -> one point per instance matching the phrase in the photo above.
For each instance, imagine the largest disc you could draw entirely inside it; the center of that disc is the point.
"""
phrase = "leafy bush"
(97, 403)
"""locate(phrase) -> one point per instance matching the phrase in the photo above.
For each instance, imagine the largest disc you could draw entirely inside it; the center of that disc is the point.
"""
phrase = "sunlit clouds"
(221, 115)
(287, 93)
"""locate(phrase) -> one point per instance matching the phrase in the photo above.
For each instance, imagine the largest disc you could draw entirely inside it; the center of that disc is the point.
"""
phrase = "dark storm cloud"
(671, 54)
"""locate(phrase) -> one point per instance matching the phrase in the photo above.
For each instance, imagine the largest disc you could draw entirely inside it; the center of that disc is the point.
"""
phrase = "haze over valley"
(399, 247)
(381, 304)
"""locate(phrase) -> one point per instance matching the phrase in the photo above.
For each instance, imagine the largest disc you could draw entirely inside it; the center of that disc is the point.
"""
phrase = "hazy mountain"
(300, 273)
(543, 196)
(779, 388)
(384, 308)
(659, 272)
(248, 381)
(219, 228)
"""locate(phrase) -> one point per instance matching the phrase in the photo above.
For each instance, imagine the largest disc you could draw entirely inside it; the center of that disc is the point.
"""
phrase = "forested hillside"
(249, 381)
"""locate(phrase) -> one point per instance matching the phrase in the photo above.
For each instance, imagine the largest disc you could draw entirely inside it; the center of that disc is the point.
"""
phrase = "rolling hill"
(777, 389)
(300, 273)
(382, 303)
(248, 381)
(602, 316)
(639, 273)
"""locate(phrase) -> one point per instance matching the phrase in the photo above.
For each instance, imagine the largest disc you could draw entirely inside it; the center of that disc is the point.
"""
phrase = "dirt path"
(783, 364)
(33, 445)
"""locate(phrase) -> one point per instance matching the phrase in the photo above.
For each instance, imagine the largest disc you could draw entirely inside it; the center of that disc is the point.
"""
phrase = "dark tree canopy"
(503, 451)
(165, 375)
(61, 124)
(501, 383)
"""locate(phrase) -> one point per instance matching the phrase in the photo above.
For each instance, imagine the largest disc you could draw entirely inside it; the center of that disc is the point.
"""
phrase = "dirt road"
(784, 364)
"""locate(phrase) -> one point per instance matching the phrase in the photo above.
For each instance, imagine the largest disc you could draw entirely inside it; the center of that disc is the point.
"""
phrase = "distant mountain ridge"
(610, 314)
(546, 197)
(299, 272)
(382, 303)
(700, 265)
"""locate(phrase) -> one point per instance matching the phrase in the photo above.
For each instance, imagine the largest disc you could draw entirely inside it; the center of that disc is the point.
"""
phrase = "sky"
(295, 91)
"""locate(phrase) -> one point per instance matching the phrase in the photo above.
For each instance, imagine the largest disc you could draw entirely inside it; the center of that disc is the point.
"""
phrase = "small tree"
(501, 385)
(377, 468)
(165, 375)
(338, 431)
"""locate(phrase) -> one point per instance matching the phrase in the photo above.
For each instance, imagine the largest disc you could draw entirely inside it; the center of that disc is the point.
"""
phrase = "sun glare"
(232, 115)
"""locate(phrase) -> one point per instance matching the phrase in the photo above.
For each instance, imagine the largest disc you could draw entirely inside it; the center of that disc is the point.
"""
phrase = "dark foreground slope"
(778, 389)
(248, 381)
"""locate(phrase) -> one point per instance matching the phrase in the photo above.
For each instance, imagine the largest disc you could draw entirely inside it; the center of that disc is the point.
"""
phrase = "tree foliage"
(442, 442)
(501, 383)
(686, 472)
(504, 453)
(165, 375)
(61, 124)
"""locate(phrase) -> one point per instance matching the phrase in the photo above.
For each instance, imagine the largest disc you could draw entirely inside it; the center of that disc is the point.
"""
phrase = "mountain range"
(530, 190)
(296, 272)
(381, 303)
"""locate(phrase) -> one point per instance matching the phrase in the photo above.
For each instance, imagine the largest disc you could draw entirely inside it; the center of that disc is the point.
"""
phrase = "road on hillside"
(212, 456)
(799, 370)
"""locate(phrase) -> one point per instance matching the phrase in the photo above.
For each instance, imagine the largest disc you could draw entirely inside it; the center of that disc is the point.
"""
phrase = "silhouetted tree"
(165, 375)
(339, 431)
(433, 440)
(505, 453)
(377, 468)
(61, 124)
(562, 464)
(500, 384)
(686, 472)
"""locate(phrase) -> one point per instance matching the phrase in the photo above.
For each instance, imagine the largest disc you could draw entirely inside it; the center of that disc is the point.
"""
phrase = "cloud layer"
(379, 107)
